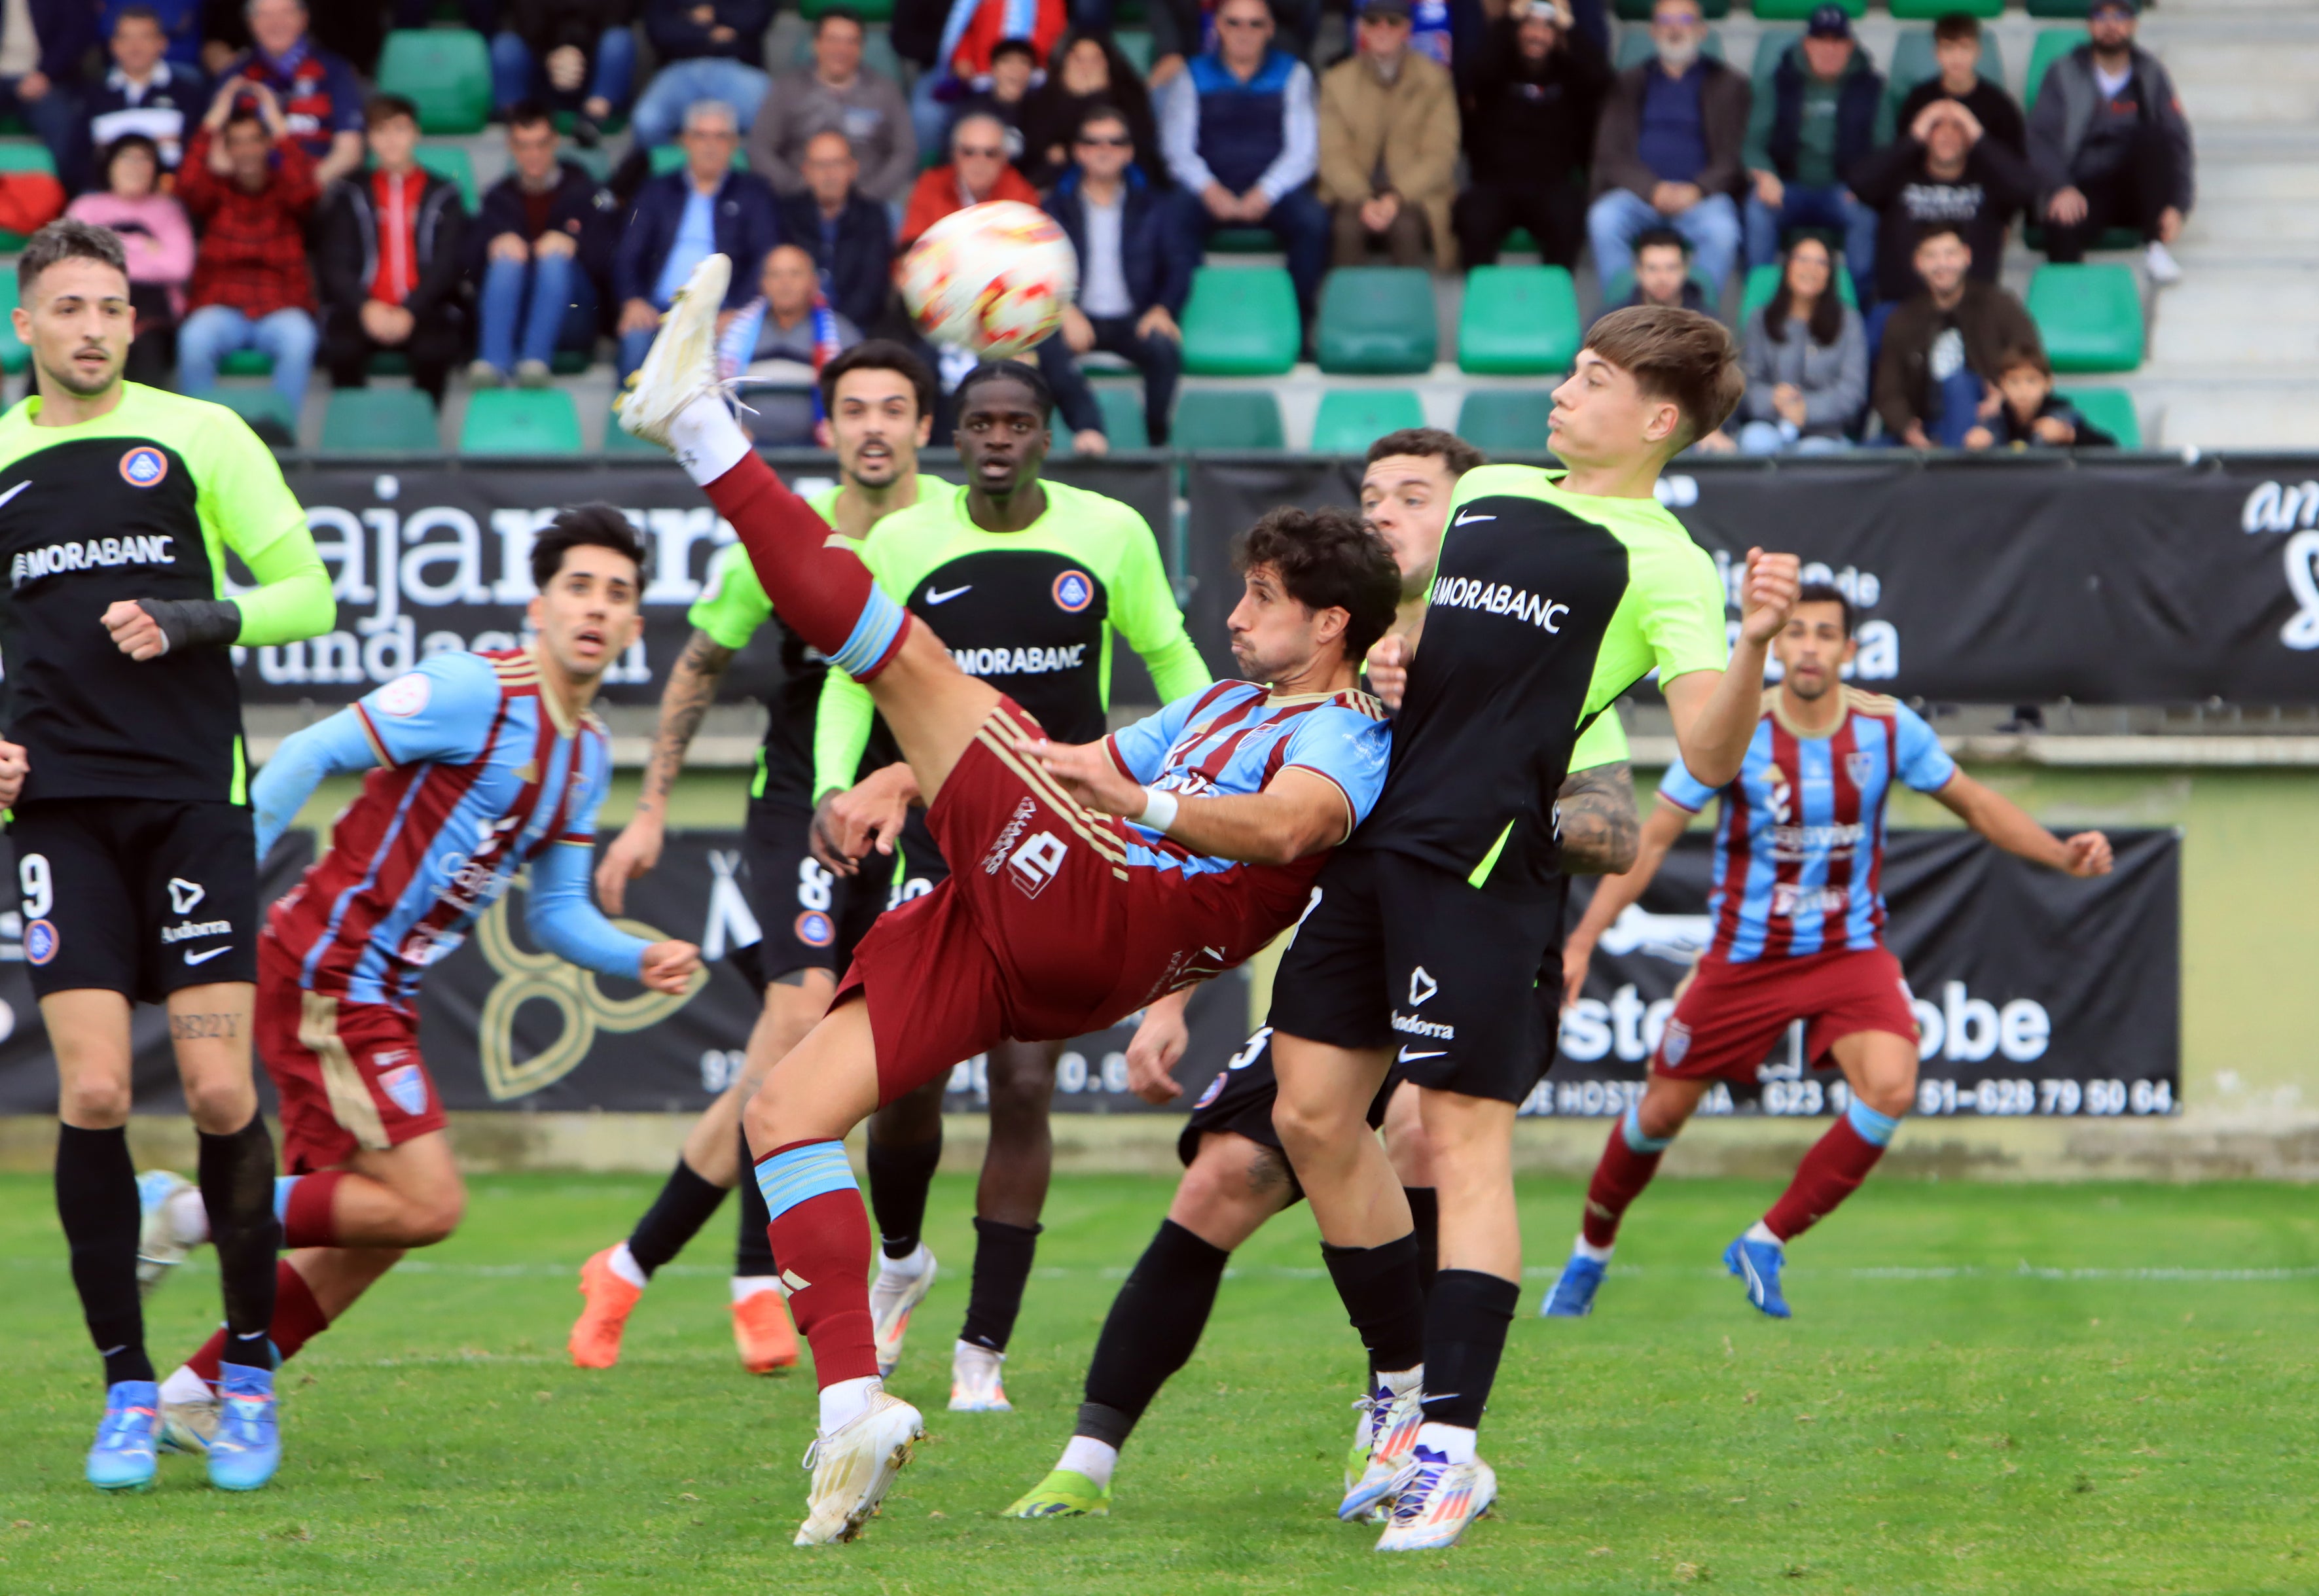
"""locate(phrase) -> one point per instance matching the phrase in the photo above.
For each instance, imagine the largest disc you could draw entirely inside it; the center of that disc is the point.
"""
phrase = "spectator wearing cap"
(849, 235)
(2110, 145)
(1942, 350)
(1945, 168)
(145, 92)
(42, 45)
(836, 94)
(1804, 138)
(156, 240)
(705, 207)
(709, 50)
(1242, 142)
(250, 185)
(391, 259)
(320, 96)
(1668, 152)
(1537, 94)
(541, 256)
(577, 56)
(1388, 163)
(1956, 47)
(1135, 271)
(976, 173)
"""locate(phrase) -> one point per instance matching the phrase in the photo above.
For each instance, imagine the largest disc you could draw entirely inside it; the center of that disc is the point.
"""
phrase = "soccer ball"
(992, 279)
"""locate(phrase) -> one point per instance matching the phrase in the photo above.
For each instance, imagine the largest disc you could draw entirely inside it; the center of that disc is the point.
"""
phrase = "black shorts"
(1396, 953)
(136, 896)
(1239, 1100)
(808, 918)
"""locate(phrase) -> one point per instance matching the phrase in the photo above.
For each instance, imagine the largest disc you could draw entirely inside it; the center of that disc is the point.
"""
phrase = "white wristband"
(1159, 811)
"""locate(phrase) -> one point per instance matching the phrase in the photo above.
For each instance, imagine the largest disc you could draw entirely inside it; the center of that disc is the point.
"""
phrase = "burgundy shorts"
(1727, 1017)
(1042, 930)
(348, 1074)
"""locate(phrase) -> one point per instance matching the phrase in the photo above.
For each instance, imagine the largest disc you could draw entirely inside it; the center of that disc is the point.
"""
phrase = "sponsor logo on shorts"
(1024, 809)
(207, 954)
(815, 930)
(1421, 985)
(405, 1086)
(1039, 861)
(186, 930)
(1675, 1043)
(144, 467)
(1074, 591)
(403, 696)
(1415, 1027)
(40, 941)
(1215, 1089)
(184, 896)
(1406, 1056)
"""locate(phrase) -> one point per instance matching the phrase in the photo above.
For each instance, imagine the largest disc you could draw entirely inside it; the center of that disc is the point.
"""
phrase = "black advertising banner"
(2145, 581)
(2035, 994)
(503, 1025)
(435, 555)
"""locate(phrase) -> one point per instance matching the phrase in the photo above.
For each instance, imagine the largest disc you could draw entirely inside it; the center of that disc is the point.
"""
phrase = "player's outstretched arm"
(1614, 894)
(565, 923)
(338, 746)
(1715, 713)
(691, 688)
(1595, 821)
(2006, 823)
(1299, 811)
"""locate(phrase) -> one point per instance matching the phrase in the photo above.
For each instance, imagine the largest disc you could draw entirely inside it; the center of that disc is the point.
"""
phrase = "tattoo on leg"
(193, 1027)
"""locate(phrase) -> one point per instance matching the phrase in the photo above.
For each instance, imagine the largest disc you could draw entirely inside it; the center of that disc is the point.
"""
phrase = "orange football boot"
(762, 1333)
(595, 1340)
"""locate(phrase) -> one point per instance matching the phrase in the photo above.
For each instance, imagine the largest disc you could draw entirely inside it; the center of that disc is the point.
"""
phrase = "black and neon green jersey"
(731, 608)
(1030, 612)
(1545, 606)
(141, 503)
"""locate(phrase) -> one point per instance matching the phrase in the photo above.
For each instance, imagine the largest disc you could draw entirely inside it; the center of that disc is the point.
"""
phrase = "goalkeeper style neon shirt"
(1030, 612)
(141, 503)
(731, 609)
(1545, 606)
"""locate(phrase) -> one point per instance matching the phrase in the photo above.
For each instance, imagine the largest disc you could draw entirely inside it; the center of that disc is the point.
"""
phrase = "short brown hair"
(68, 238)
(2013, 356)
(1430, 443)
(584, 526)
(1328, 558)
(1683, 355)
(390, 108)
(1956, 25)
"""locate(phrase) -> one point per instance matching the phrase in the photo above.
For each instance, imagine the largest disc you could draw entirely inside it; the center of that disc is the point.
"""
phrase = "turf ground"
(1987, 1389)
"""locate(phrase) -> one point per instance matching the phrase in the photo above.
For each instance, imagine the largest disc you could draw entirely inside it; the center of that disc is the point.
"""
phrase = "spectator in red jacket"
(392, 259)
(319, 98)
(977, 172)
(251, 186)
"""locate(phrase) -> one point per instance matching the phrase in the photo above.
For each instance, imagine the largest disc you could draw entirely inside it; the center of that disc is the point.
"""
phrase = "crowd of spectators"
(269, 205)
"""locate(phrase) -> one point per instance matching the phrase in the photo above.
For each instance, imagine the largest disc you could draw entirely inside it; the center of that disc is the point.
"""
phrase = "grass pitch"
(1986, 1388)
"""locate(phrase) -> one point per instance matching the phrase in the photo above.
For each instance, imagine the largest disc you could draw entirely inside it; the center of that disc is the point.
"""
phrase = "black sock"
(1002, 1268)
(96, 1199)
(1425, 1213)
(1155, 1321)
(683, 1206)
(900, 1176)
(1464, 1335)
(1384, 1299)
(237, 1179)
(753, 1251)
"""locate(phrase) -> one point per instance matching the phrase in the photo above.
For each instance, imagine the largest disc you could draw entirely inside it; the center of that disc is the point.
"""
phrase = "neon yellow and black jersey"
(732, 608)
(1030, 612)
(1545, 608)
(141, 503)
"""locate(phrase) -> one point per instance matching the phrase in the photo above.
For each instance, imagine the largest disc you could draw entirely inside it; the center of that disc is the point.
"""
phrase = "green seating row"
(446, 72)
(2089, 316)
(1906, 11)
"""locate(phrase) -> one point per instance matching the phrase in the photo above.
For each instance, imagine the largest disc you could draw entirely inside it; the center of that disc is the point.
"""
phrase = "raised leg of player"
(1630, 1157)
(1233, 1186)
(903, 1151)
(1016, 1165)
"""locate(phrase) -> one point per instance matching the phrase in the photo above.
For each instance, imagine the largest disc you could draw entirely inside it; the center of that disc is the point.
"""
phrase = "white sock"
(1401, 1382)
(1452, 1441)
(746, 1286)
(624, 1264)
(1760, 1231)
(706, 439)
(189, 1221)
(847, 1401)
(1094, 1459)
(1583, 1248)
(909, 1267)
(183, 1385)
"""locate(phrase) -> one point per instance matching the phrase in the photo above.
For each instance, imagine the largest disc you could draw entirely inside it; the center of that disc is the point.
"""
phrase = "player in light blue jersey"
(1798, 911)
(478, 766)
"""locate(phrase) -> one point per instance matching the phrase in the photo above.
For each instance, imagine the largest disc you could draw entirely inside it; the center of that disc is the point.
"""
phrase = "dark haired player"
(122, 770)
(1552, 596)
(880, 398)
(1027, 581)
(1798, 910)
(1064, 916)
(479, 765)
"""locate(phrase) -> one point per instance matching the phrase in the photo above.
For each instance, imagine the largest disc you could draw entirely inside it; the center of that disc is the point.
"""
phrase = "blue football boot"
(1573, 1296)
(247, 1446)
(1758, 1263)
(122, 1458)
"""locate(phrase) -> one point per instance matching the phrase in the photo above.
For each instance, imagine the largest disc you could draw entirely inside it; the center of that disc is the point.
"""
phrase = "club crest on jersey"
(40, 941)
(1215, 1090)
(144, 467)
(403, 696)
(405, 1086)
(1860, 765)
(813, 929)
(1074, 591)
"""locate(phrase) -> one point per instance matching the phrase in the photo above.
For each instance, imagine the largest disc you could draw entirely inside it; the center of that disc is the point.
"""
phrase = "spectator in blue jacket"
(39, 66)
(703, 208)
(849, 235)
(709, 50)
(145, 92)
(1823, 117)
(1134, 270)
(1243, 139)
(542, 253)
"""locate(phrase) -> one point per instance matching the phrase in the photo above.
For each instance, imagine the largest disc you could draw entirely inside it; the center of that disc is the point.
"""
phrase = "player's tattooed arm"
(1595, 816)
(691, 688)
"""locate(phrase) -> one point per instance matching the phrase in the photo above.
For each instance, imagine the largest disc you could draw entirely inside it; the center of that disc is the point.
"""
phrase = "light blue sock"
(1631, 1128)
(1875, 1129)
(282, 1188)
(799, 1174)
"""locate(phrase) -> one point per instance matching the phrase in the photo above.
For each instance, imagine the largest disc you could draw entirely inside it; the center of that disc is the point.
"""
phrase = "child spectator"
(249, 184)
(2033, 415)
(542, 256)
(159, 242)
(392, 260)
(1005, 94)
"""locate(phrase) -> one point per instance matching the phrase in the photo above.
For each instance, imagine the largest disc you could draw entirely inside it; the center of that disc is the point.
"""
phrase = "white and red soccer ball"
(992, 279)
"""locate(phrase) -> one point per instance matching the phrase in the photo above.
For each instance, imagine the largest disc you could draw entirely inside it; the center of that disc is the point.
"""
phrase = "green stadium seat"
(1518, 320)
(2076, 8)
(453, 162)
(363, 420)
(1505, 420)
(520, 421)
(268, 413)
(874, 11)
(1639, 11)
(1242, 240)
(1352, 419)
(2052, 44)
(1229, 418)
(2089, 316)
(1135, 44)
(1240, 321)
(14, 356)
(668, 158)
(1123, 415)
(2109, 409)
(246, 363)
(1795, 11)
(22, 155)
(1932, 11)
(1763, 281)
(446, 72)
(1376, 320)
(1634, 45)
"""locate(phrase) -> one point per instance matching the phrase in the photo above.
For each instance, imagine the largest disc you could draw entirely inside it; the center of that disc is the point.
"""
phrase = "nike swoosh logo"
(1470, 516)
(193, 957)
(934, 595)
(1409, 1058)
(12, 492)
